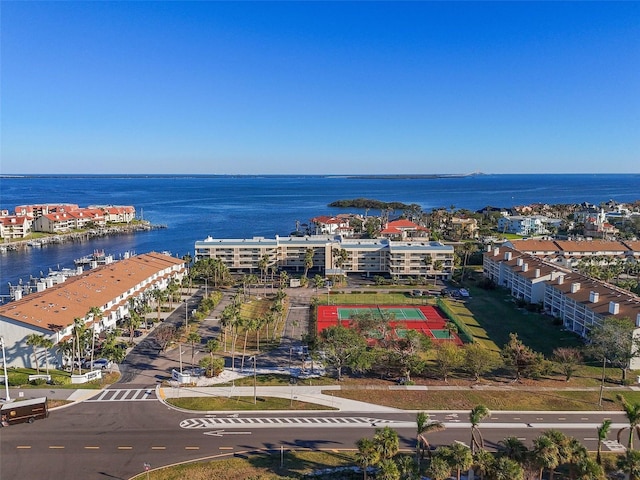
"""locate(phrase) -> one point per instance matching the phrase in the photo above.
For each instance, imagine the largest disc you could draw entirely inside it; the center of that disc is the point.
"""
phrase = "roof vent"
(507, 256)
(525, 267)
(519, 262)
(537, 273)
(614, 308)
(594, 297)
(575, 287)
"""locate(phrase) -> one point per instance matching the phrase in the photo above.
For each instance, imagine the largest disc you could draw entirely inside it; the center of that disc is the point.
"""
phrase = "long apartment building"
(51, 312)
(568, 253)
(370, 256)
(579, 301)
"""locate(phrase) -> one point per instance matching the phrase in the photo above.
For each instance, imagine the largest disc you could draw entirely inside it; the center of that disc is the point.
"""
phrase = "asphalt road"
(114, 439)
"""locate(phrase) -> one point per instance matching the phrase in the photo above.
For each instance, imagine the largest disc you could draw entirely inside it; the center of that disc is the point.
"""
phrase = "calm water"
(194, 207)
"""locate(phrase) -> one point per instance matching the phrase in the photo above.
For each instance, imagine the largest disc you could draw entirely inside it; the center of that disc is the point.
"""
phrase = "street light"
(181, 352)
(255, 396)
(604, 361)
(6, 378)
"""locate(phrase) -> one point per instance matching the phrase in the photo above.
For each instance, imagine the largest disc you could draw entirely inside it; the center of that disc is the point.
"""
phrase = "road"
(113, 437)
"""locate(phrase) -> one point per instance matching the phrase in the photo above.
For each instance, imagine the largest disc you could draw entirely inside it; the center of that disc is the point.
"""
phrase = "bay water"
(193, 207)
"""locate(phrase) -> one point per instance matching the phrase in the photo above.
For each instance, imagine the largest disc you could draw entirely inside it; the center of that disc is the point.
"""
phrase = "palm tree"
(78, 335)
(96, 314)
(249, 325)
(545, 454)
(513, 448)
(407, 468)
(438, 468)
(477, 414)
(212, 346)
(630, 464)
(193, 338)
(427, 261)
(467, 248)
(603, 431)
(459, 457)
(425, 426)
(564, 445)
(34, 341)
(284, 279)
(65, 350)
(438, 265)
(387, 442)
(632, 411)
(588, 469)
(308, 261)
(367, 455)
(387, 470)
(483, 462)
(506, 469)
(47, 344)
(172, 288)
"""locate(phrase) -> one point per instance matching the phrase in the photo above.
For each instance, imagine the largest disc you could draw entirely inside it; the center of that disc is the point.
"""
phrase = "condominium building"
(52, 312)
(579, 301)
(568, 253)
(333, 255)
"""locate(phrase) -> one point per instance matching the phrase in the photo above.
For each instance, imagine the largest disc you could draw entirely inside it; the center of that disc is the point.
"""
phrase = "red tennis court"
(426, 319)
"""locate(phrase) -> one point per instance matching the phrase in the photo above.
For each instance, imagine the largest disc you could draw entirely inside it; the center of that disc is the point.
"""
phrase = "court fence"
(463, 331)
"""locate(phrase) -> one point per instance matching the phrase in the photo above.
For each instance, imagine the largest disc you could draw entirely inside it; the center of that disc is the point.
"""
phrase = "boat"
(97, 256)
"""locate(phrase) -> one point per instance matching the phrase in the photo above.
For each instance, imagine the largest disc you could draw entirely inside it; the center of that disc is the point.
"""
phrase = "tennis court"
(391, 313)
(426, 319)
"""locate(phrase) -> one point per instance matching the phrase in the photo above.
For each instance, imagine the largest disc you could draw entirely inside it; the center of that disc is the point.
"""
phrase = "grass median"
(493, 399)
(272, 465)
(243, 404)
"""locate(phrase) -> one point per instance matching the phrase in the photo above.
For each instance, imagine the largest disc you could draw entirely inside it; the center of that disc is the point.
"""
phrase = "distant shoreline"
(417, 176)
(53, 238)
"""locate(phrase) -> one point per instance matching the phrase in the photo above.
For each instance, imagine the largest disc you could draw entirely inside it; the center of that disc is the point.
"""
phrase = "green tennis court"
(398, 313)
(442, 334)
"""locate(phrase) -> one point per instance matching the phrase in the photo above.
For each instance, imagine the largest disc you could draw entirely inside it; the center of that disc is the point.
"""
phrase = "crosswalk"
(125, 395)
(233, 421)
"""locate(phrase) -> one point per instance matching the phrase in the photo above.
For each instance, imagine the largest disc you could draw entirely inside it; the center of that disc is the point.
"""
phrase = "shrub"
(60, 380)
(38, 381)
(18, 379)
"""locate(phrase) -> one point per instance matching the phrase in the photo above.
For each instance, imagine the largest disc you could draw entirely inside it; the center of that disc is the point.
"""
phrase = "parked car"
(102, 363)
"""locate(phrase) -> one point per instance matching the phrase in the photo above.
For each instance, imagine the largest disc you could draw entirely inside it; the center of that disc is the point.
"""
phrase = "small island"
(365, 203)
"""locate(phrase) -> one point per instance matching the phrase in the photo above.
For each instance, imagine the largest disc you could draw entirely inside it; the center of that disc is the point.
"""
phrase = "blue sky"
(320, 88)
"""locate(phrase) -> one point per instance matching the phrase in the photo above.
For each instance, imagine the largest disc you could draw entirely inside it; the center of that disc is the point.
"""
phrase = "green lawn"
(242, 403)
(287, 464)
(495, 312)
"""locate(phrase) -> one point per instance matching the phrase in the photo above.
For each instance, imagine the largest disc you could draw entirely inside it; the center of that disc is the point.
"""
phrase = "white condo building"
(333, 255)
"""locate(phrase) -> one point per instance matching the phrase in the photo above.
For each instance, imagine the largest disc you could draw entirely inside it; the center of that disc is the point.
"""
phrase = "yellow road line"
(125, 448)
(192, 448)
(23, 446)
(225, 448)
(158, 448)
(56, 446)
(92, 447)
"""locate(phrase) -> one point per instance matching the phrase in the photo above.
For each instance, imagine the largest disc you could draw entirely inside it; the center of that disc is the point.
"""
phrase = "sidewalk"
(307, 394)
